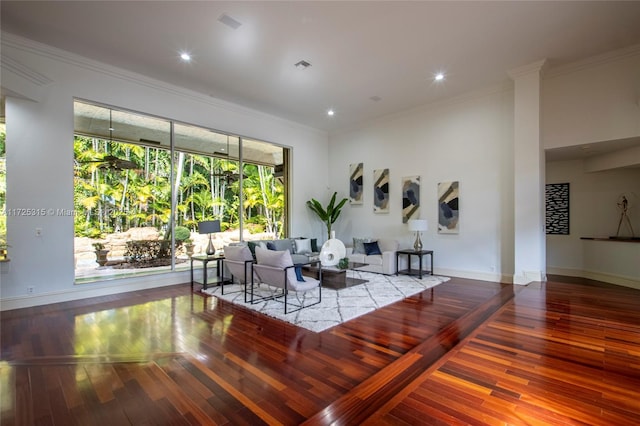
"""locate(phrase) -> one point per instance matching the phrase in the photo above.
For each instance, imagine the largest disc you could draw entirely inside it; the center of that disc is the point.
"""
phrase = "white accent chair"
(276, 269)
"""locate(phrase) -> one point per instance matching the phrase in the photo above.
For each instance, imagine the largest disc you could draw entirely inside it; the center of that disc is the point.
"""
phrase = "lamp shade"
(209, 227)
(418, 225)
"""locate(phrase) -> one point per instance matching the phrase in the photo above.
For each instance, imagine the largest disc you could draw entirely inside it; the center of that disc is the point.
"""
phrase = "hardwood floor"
(562, 352)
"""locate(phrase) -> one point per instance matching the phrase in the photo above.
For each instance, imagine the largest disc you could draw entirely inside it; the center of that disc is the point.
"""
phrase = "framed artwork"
(381, 191)
(410, 198)
(448, 208)
(557, 208)
(356, 172)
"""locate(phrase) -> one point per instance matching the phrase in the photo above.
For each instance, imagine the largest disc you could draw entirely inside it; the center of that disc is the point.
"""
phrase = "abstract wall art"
(381, 191)
(356, 172)
(557, 208)
(410, 198)
(448, 207)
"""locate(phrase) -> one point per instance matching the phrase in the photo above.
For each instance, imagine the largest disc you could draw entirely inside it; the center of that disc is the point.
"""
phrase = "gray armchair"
(239, 261)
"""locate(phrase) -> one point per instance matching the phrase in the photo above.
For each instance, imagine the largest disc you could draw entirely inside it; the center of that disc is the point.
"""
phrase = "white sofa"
(384, 263)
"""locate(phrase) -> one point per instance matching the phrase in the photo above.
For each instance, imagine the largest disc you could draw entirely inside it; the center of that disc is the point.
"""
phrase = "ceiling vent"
(229, 21)
(302, 65)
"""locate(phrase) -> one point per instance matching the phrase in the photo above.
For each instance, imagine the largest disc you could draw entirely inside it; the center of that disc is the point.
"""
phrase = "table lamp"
(209, 227)
(418, 226)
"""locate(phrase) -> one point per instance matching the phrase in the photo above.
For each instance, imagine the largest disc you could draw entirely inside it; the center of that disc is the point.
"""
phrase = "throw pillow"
(314, 245)
(275, 258)
(371, 248)
(252, 247)
(271, 246)
(284, 244)
(303, 246)
(358, 244)
(299, 276)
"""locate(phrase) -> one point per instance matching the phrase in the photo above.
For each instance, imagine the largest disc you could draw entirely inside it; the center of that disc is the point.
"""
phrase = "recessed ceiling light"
(302, 65)
(229, 21)
(185, 56)
(439, 77)
(330, 113)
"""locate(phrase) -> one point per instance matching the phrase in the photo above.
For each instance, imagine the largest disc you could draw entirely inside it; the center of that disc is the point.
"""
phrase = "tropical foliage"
(329, 214)
(109, 198)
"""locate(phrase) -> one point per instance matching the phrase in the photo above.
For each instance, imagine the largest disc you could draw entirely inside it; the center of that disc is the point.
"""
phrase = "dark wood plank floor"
(562, 352)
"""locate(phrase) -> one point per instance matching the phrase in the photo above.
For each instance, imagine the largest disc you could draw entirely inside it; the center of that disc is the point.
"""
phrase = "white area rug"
(337, 306)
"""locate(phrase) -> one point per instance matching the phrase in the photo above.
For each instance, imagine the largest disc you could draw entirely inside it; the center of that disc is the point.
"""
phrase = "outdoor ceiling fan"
(113, 163)
(229, 176)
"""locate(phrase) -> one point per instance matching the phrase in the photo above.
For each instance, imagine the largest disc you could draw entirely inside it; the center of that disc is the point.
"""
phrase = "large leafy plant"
(329, 214)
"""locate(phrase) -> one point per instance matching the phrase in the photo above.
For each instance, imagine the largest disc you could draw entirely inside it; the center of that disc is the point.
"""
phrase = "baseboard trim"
(103, 288)
(474, 275)
(598, 276)
(84, 291)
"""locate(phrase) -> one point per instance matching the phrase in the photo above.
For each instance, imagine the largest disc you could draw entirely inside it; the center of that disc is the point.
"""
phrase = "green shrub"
(90, 232)
(254, 228)
(181, 233)
(141, 251)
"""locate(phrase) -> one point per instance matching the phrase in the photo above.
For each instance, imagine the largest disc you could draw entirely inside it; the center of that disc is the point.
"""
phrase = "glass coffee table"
(334, 277)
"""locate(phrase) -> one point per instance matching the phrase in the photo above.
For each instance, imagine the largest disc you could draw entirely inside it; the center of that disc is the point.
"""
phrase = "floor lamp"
(209, 227)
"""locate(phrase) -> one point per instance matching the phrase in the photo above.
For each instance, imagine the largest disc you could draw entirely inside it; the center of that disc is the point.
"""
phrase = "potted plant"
(329, 214)
(343, 263)
(188, 245)
(101, 253)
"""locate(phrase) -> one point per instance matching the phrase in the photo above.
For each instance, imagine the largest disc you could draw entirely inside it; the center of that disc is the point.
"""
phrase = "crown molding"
(11, 65)
(534, 67)
(54, 53)
(605, 58)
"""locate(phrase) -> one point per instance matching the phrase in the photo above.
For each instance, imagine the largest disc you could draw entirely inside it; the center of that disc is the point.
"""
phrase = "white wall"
(593, 212)
(40, 158)
(467, 139)
(471, 140)
(592, 101)
(596, 100)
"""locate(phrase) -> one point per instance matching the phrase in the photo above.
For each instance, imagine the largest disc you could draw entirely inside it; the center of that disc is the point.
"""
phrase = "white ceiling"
(358, 50)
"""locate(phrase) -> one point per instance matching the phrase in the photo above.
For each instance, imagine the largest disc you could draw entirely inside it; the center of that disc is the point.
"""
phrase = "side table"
(205, 259)
(420, 254)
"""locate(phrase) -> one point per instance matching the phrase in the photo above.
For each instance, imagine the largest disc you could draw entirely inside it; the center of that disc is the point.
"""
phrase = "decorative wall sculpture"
(356, 172)
(448, 209)
(381, 191)
(557, 208)
(410, 198)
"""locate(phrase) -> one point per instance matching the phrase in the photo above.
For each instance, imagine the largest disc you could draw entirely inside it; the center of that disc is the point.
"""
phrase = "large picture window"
(142, 185)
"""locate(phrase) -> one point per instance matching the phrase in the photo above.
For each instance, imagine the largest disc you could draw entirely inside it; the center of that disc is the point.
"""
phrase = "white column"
(529, 179)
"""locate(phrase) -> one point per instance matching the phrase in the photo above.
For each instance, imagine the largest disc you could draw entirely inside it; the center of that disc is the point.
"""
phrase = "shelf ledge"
(614, 239)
